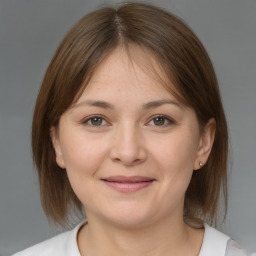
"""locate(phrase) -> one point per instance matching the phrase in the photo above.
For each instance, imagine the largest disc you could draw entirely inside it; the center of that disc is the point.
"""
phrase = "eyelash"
(166, 119)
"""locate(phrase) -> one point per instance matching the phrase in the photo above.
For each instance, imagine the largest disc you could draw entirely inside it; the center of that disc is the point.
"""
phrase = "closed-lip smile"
(128, 184)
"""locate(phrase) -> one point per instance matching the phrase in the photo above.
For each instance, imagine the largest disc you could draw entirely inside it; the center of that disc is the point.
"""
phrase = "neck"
(175, 237)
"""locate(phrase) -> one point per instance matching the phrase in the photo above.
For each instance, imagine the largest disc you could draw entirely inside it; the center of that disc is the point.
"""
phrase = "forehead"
(133, 68)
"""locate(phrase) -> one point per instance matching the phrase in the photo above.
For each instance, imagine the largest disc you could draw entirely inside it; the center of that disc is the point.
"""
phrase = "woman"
(129, 126)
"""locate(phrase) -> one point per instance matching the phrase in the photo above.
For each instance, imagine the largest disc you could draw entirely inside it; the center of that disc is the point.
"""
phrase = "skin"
(132, 138)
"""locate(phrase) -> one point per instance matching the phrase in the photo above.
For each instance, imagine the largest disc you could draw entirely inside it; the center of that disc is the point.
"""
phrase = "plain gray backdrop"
(30, 31)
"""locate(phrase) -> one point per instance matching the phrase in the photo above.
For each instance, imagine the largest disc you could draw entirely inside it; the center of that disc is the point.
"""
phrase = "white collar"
(214, 242)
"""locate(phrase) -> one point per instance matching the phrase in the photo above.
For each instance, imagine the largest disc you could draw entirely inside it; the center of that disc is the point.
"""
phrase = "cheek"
(177, 152)
(82, 155)
(175, 158)
(83, 158)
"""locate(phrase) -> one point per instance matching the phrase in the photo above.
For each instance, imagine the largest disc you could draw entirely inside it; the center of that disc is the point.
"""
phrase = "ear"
(57, 148)
(205, 144)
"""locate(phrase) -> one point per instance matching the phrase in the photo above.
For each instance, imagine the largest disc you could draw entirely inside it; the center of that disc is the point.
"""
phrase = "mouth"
(127, 184)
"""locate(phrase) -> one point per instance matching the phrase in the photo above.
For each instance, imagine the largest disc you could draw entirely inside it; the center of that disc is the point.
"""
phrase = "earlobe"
(56, 146)
(205, 144)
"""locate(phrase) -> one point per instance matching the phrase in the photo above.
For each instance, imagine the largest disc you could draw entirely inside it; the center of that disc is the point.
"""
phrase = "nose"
(128, 146)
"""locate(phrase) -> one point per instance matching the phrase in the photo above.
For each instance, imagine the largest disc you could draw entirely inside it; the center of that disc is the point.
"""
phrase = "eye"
(95, 121)
(161, 121)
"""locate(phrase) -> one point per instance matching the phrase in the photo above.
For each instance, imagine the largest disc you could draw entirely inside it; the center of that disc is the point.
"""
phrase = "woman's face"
(128, 146)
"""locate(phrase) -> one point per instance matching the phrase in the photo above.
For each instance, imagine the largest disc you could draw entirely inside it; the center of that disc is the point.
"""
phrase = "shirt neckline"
(214, 242)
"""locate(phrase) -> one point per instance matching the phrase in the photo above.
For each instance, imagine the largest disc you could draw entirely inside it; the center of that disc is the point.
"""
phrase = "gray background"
(30, 31)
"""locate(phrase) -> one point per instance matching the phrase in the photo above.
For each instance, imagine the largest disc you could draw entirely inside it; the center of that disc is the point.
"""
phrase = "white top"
(214, 243)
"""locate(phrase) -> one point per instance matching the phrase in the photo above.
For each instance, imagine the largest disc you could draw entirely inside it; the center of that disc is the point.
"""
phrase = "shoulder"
(61, 245)
(215, 243)
(53, 246)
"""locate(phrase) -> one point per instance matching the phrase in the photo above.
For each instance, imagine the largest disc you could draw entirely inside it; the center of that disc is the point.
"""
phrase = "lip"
(128, 184)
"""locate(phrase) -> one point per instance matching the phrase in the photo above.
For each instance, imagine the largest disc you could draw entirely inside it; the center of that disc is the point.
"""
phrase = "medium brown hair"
(183, 58)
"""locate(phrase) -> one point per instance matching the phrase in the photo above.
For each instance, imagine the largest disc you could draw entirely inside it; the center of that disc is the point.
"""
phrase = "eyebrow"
(96, 103)
(157, 103)
(148, 105)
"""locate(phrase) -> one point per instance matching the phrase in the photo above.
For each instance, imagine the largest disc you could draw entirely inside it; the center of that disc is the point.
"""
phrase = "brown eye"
(96, 121)
(159, 121)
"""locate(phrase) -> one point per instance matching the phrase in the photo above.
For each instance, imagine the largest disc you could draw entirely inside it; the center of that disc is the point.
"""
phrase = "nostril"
(127, 149)
(127, 161)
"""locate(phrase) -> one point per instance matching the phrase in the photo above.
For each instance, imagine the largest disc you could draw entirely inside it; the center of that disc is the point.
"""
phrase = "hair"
(181, 54)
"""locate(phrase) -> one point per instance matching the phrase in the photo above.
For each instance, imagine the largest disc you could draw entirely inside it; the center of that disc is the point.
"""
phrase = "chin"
(129, 218)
